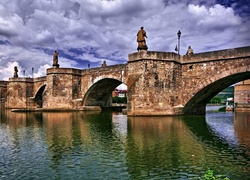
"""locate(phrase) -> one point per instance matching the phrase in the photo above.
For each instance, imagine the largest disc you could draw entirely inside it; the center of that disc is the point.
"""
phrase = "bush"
(215, 100)
(222, 108)
(117, 99)
(209, 175)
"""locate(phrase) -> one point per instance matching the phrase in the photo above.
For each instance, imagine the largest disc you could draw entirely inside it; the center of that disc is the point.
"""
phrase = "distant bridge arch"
(39, 96)
(198, 102)
(99, 94)
(222, 77)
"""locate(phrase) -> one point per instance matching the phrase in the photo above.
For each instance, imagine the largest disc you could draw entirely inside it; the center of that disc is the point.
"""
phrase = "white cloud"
(7, 71)
(41, 71)
(217, 16)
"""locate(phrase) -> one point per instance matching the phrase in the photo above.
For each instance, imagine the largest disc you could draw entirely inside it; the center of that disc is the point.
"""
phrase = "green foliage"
(215, 100)
(209, 175)
(117, 99)
(222, 108)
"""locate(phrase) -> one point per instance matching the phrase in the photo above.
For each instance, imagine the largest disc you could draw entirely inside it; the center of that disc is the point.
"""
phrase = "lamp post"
(179, 37)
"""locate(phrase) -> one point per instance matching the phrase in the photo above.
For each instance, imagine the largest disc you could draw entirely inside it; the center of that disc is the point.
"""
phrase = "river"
(110, 145)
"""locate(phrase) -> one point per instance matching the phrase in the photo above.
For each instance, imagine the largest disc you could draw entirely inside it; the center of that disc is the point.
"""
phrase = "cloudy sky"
(91, 31)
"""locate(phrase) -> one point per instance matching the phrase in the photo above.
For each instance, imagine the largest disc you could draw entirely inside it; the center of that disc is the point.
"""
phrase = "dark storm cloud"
(187, 2)
(91, 31)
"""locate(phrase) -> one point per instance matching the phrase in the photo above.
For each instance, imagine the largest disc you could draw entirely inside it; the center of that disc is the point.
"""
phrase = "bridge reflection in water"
(113, 146)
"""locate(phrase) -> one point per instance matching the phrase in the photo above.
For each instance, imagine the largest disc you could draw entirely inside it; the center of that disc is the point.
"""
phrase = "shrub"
(209, 175)
(117, 99)
(222, 108)
(215, 100)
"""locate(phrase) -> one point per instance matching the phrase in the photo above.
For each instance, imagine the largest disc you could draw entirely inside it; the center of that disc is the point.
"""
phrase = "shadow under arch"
(99, 94)
(39, 96)
(197, 104)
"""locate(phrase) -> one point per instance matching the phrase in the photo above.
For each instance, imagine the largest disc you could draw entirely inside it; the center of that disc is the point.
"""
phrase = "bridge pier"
(63, 89)
(153, 82)
(3, 93)
(19, 90)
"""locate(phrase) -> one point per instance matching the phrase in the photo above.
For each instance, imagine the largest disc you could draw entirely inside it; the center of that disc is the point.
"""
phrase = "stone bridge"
(159, 83)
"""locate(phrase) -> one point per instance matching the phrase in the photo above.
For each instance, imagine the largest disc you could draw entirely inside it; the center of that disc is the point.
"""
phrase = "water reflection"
(160, 147)
(223, 127)
(242, 130)
(108, 145)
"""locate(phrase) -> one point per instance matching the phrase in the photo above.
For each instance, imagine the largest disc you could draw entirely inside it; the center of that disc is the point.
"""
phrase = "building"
(242, 96)
(119, 93)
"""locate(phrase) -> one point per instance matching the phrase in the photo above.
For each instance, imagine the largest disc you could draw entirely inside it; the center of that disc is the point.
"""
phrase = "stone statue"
(15, 72)
(141, 40)
(104, 64)
(189, 51)
(55, 59)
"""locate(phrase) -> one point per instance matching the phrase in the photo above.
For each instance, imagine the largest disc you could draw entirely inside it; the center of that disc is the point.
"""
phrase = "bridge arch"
(39, 96)
(211, 87)
(99, 94)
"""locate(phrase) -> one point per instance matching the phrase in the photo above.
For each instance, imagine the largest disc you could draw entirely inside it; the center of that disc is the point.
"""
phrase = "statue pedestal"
(145, 47)
(56, 65)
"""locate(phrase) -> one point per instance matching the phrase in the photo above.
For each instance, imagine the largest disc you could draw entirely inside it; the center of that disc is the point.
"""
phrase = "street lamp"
(179, 37)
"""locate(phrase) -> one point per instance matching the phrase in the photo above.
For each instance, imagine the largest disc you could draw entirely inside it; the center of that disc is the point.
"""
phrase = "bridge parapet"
(21, 79)
(71, 71)
(243, 52)
(39, 79)
(118, 67)
(153, 55)
(3, 83)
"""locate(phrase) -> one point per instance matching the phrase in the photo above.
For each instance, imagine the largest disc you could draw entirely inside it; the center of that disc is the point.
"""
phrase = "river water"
(110, 145)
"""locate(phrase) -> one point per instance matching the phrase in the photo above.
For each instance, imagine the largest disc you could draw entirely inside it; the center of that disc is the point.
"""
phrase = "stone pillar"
(19, 91)
(242, 96)
(153, 83)
(63, 86)
(3, 93)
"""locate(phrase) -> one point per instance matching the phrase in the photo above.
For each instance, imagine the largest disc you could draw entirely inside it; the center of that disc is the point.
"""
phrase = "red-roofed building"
(119, 93)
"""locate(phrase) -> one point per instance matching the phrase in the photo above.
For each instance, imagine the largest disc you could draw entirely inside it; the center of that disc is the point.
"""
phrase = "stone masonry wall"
(61, 88)
(38, 83)
(114, 75)
(242, 93)
(159, 83)
(19, 90)
(196, 76)
(152, 84)
(3, 92)
(164, 83)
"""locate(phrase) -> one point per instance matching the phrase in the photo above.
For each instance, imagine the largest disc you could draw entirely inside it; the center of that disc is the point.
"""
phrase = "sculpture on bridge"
(104, 64)
(141, 40)
(15, 72)
(189, 51)
(55, 60)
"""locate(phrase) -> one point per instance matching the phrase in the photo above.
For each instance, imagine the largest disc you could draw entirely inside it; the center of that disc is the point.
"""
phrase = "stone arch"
(39, 96)
(197, 103)
(99, 94)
